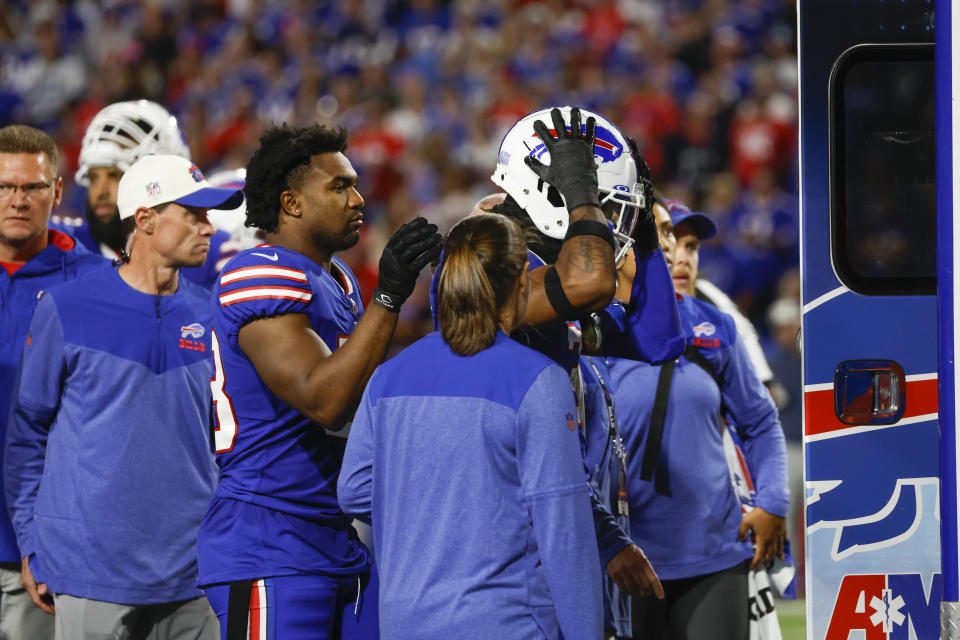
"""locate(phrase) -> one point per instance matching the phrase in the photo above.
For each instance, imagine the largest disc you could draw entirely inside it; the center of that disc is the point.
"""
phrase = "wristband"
(389, 301)
(558, 299)
(591, 228)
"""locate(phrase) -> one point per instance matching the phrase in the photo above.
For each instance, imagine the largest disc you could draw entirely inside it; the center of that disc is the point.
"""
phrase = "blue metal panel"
(945, 249)
(855, 327)
(871, 493)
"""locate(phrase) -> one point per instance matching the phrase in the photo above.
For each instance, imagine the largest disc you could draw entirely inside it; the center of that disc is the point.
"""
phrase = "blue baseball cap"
(703, 225)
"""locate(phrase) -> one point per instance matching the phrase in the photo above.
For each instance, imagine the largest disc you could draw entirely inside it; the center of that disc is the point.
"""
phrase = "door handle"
(867, 392)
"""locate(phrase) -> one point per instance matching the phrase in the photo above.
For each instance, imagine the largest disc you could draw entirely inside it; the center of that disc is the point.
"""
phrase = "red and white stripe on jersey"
(345, 279)
(265, 292)
(262, 271)
(257, 623)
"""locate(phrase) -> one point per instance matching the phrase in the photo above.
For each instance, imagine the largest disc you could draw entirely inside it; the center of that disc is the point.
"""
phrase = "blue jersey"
(108, 466)
(470, 470)
(278, 469)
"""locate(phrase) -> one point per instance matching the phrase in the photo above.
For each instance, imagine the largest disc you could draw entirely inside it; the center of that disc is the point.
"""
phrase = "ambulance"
(879, 156)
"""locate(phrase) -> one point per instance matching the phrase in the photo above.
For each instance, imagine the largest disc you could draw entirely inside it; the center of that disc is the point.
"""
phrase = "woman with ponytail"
(465, 458)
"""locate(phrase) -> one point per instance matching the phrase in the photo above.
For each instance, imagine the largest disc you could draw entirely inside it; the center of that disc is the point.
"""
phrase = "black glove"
(572, 169)
(415, 245)
(645, 236)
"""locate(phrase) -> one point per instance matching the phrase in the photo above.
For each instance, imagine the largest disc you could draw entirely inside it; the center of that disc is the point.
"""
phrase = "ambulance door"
(869, 332)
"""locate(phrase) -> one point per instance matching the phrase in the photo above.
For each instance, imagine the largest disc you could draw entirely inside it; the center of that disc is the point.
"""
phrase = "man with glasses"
(33, 258)
(108, 467)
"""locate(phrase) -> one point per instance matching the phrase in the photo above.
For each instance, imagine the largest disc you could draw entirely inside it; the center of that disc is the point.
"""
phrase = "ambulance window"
(883, 198)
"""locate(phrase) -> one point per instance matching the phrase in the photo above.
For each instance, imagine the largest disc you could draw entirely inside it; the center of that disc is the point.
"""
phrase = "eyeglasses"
(30, 189)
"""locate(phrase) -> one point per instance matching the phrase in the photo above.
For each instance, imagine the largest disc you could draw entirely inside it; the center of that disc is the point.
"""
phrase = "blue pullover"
(63, 259)
(108, 468)
(688, 524)
(471, 472)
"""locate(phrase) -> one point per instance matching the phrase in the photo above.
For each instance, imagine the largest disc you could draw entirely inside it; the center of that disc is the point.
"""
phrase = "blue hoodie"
(63, 259)
(471, 472)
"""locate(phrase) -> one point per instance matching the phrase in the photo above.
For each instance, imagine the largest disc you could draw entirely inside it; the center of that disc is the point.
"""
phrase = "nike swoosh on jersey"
(263, 255)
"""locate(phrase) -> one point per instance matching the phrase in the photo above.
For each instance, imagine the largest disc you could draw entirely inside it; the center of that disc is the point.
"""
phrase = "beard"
(109, 233)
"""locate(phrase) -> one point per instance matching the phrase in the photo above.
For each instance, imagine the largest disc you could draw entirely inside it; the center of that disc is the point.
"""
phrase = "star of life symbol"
(887, 611)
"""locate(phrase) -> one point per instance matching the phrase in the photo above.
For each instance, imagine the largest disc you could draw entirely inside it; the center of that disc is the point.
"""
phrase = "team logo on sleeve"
(190, 337)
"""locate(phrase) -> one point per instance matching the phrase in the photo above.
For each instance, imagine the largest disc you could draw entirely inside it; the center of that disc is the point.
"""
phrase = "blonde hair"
(483, 256)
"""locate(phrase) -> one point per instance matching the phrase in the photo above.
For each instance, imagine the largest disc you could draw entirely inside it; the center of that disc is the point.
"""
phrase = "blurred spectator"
(428, 88)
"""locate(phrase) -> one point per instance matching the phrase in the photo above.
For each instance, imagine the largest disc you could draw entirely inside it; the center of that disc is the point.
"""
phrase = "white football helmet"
(621, 195)
(124, 132)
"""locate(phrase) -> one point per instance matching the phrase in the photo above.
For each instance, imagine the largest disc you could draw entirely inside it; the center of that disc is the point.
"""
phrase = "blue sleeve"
(551, 476)
(36, 398)
(355, 485)
(253, 288)
(649, 327)
(758, 425)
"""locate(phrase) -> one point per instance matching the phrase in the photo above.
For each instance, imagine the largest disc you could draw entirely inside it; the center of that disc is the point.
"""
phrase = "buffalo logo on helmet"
(605, 145)
(196, 173)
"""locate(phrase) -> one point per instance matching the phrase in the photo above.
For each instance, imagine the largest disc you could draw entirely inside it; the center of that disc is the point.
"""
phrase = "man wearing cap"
(690, 229)
(678, 479)
(108, 467)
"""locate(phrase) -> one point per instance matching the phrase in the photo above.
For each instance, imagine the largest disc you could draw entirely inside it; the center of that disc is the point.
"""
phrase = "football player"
(293, 349)
(119, 135)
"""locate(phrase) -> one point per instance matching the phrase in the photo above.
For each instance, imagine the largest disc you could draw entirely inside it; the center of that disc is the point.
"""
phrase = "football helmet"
(621, 194)
(123, 132)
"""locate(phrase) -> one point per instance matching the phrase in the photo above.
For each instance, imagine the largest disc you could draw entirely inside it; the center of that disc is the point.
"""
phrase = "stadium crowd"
(428, 88)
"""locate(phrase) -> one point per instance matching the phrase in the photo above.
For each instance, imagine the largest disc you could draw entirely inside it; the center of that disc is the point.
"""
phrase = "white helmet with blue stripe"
(621, 193)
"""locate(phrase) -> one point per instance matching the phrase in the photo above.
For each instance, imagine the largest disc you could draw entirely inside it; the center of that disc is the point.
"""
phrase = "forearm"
(299, 368)
(611, 539)
(765, 450)
(24, 454)
(332, 389)
(585, 265)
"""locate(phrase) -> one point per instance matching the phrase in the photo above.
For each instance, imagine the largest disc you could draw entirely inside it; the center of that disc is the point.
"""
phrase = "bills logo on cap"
(196, 173)
(153, 189)
(605, 146)
(704, 329)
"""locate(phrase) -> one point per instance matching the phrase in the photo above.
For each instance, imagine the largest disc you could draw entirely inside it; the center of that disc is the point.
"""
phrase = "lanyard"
(619, 450)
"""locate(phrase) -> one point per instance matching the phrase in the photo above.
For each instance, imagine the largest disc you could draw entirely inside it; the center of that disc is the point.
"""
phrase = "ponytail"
(484, 256)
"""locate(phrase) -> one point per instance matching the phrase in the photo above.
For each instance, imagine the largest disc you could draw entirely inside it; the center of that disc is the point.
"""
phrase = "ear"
(144, 217)
(57, 192)
(289, 204)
